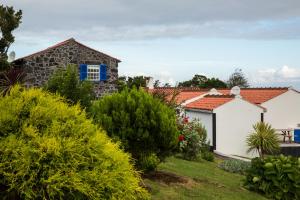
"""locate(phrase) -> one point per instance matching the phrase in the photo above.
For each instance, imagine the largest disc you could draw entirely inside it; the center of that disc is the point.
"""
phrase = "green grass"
(206, 181)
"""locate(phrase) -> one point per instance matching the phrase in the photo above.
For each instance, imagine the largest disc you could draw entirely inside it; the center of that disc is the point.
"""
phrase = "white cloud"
(284, 74)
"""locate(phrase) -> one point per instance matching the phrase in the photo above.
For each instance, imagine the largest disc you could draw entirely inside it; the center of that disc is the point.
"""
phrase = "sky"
(172, 40)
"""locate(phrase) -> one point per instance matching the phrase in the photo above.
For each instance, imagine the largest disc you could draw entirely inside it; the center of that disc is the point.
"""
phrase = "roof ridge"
(63, 43)
(219, 96)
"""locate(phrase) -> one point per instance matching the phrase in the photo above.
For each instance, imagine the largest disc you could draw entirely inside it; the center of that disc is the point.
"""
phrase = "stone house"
(93, 65)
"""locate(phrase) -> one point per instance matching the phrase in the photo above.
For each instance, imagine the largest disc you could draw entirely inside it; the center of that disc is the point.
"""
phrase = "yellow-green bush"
(49, 150)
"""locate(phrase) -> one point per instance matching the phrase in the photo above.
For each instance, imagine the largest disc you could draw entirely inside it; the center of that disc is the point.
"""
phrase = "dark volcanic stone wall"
(40, 66)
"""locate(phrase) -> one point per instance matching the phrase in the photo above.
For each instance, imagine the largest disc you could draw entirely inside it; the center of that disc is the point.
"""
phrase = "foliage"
(203, 82)
(277, 177)
(264, 139)
(193, 138)
(148, 163)
(142, 123)
(238, 79)
(9, 78)
(131, 82)
(9, 21)
(66, 82)
(50, 150)
(208, 156)
(235, 166)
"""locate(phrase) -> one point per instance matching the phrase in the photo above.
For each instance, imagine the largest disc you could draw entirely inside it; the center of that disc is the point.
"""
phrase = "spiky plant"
(264, 139)
(9, 78)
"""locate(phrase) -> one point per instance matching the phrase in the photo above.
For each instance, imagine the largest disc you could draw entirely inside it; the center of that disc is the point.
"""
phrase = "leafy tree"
(264, 139)
(238, 79)
(66, 83)
(143, 124)
(156, 83)
(203, 82)
(131, 82)
(9, 21)
(50, 150)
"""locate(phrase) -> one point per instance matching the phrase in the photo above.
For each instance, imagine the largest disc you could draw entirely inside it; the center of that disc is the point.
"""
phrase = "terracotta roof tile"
(258, 95)
(209, 102)
(184, 93)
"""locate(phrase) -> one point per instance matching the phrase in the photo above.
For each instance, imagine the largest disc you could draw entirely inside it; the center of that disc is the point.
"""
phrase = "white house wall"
(234, 121)
(283, 111)
(205, 119)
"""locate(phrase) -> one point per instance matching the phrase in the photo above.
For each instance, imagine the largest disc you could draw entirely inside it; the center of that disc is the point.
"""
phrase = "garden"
(59, 142)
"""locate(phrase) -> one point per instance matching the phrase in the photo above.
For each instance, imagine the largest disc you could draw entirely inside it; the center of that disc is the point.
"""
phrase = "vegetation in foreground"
(199, 180)
(50, 150)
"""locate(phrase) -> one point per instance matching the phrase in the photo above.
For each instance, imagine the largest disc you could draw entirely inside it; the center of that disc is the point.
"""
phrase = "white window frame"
(93, 72)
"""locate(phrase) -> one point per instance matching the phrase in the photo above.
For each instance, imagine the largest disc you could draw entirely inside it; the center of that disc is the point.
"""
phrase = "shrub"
(235, 166)
(263, 140)
(142, 123)
(148, 162)
(277, 177)
(50, 150)
(193, 138)
(66, 82)
(208, 156)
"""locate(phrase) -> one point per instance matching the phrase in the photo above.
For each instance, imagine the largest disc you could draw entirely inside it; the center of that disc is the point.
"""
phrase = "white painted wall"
(283, 111)
(234, 121)
(205, 119)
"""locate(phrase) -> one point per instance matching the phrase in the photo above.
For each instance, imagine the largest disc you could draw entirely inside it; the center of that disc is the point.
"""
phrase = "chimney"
(150, 83)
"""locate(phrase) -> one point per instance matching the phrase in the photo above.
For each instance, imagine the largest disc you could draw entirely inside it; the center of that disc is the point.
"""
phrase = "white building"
(229, 115)
(228, 121)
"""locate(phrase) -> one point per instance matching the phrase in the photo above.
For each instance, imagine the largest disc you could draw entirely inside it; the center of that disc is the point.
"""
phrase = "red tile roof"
(184, 93)
(63, 43)
(258, 95)
(209, 102)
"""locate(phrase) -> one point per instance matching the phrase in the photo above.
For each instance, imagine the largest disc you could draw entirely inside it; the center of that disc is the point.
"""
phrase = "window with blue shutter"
(103, 72)
(83, 72)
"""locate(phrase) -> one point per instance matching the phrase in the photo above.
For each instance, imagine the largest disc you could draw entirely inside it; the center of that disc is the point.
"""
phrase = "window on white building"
(93, 72)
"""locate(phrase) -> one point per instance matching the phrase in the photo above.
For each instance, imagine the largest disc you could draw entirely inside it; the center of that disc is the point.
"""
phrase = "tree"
(66, 82)
(9, 21)
(50, 150)
(238, 79)
(203, 82)
(143, 124)
(156, 84)
(131, 82)
(264, 139)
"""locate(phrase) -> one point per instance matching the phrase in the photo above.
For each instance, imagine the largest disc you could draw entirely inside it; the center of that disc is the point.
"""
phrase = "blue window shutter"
(103, 71)
(83, 72)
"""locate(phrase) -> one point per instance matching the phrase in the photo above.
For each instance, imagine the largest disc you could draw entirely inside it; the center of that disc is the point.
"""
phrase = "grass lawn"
(204, 180)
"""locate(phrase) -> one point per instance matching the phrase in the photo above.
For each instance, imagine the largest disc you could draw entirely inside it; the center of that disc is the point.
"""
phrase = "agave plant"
(9, 78)
(264, 139)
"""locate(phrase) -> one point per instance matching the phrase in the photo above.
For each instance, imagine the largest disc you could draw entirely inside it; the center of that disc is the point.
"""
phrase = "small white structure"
(228, 121)
(283, 111)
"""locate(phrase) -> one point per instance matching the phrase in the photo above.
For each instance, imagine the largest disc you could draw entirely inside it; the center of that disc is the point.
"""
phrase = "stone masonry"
(41, 65)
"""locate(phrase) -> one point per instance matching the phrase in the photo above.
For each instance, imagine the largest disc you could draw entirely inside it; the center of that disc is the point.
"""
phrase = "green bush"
(142, 123)
(66, 82)
(208, 156)
(193, 139)
(277, 177)
(235, 166)
(148, 162)
(50, 150)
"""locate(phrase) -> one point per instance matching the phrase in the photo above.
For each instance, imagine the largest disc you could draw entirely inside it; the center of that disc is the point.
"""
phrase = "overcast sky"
(174, 39)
